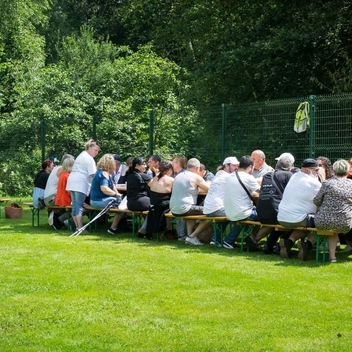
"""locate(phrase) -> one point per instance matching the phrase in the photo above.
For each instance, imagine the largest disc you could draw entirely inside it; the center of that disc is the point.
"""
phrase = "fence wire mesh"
(239, 129)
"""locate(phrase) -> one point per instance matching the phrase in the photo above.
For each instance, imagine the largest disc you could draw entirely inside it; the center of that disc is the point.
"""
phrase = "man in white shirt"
(297, 207)
(119, 168)
(214, 200)
(240, 186)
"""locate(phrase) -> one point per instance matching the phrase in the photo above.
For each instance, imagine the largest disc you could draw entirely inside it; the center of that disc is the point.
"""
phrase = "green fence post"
(223, 131)
(312, 126)
(42, 130)
(151, 132)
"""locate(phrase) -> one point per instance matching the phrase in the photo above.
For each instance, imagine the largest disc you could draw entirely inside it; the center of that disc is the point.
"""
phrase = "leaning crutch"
(101, 213)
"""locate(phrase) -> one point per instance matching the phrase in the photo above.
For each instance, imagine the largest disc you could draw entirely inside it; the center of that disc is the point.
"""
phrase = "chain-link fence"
(239, 129)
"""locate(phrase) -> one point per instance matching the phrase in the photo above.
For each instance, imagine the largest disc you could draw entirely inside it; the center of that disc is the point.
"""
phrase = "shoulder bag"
(245, 188)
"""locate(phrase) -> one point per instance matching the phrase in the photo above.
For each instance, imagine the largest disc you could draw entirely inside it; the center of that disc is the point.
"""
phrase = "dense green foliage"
(66, 65)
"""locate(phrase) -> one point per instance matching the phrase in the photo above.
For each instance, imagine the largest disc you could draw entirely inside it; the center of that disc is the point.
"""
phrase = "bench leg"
(245, 231)
(137, 221)
(219, 227)
(91, 215)
(320, 240)
(35, 215)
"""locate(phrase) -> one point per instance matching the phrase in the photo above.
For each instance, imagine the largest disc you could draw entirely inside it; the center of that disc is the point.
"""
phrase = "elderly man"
(240, 185)
(271, 191)
(214, 200)
(297, 207)
(260, 166)
(184, 197)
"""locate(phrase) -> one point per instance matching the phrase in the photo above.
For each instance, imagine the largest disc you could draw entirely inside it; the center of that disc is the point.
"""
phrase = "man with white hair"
(271, 190)
(184, 199)
(214, 200)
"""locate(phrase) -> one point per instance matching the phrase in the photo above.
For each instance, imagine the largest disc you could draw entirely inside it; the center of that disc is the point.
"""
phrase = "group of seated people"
(318, 194)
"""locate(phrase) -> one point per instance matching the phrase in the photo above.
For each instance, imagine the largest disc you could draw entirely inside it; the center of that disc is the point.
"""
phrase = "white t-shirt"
(297, 200)
(80, 178)
(238, 205)
(214, 200)
(53, 181)
(117, 174)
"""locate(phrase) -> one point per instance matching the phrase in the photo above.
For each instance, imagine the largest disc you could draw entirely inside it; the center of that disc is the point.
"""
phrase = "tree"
(96, 81)
(241, 51)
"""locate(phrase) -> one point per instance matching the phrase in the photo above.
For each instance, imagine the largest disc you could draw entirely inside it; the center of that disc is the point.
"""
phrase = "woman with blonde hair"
(104, 190)
(79, 181)
(63, 197)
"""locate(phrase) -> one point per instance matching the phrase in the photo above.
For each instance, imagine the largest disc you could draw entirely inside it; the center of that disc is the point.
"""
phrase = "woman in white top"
(80, 179)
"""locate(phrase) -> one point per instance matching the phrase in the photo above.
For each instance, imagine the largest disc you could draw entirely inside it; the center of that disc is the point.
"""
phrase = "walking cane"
(101, 213)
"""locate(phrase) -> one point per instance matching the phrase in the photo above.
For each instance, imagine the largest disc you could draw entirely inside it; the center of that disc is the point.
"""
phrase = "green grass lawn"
(99, 292)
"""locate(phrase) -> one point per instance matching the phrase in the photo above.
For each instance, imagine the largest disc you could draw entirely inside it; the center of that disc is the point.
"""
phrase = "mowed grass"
(99, 292)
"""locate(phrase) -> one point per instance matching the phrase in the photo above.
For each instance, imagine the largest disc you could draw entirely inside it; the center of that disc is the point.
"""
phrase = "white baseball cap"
(231, 160)
(286, 156)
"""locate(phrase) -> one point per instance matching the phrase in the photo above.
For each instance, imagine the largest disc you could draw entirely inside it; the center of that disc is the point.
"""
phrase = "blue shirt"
(100, 180)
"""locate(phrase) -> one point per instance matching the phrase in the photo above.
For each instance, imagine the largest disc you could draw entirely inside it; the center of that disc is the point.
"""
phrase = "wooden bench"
(215, 221)
(248, 225)
(137, 216)
(320, 235)
(2, 201)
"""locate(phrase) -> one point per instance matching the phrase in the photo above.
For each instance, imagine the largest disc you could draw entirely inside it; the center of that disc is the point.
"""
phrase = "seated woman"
(138, 192)
(325, 168)
(40, 180)
(334, 202)
(124, 173)
(103, 189)
(160, 193)
(63, 197)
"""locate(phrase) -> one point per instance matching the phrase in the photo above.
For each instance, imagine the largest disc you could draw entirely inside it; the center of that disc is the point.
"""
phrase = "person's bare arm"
(255, 194)
(201, 184)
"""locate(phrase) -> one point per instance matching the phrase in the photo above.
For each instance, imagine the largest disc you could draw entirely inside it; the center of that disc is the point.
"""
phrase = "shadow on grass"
(24, 226)
(206, 249)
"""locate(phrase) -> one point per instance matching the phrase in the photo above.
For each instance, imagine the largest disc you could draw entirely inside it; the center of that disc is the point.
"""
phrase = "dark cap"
(118, 158)
(309, 163)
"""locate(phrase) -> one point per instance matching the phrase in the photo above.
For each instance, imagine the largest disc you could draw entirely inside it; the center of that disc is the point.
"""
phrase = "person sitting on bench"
(297, 208)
